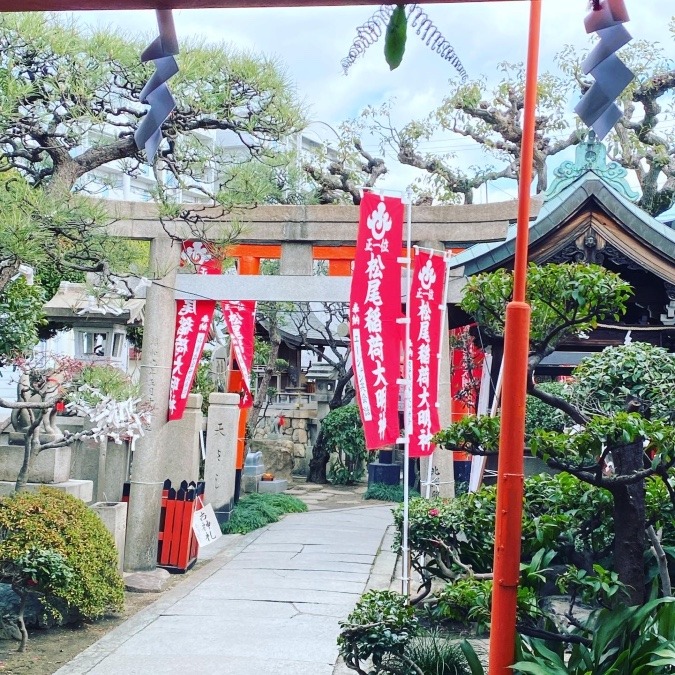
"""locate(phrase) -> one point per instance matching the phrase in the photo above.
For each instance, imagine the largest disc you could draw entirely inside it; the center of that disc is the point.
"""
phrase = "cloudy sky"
(313, 41)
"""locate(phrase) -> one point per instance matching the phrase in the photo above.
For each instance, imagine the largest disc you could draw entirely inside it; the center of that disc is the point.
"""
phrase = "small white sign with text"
(205, 525)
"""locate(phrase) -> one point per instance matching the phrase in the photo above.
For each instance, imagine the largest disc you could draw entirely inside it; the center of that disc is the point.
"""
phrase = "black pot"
(386, 456)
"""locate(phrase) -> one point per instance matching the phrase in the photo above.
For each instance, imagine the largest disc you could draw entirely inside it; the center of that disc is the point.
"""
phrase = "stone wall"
(299, 428)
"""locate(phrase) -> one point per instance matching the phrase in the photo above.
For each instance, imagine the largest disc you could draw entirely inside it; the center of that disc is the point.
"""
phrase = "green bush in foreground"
(379, 627)
(384, 629)
(258, 510)
(58, 526)
(435, 654)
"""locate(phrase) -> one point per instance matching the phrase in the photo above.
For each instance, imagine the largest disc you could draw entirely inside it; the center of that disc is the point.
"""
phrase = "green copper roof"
(557, 209)
(591, 156)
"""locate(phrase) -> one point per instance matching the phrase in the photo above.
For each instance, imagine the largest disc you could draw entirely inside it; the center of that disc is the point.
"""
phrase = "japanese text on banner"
(193, 323)
(375, 307)
(240, 322)
(426, 324)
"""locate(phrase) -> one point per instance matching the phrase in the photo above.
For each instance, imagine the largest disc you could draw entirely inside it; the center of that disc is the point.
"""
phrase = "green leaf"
(536, 669)
(472, 658)
(395, 38)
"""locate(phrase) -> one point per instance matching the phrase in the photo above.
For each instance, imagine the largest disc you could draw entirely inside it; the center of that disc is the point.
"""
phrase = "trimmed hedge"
(51, 520)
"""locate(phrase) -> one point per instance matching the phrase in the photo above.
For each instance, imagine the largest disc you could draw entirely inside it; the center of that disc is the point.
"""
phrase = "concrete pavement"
(267, 603)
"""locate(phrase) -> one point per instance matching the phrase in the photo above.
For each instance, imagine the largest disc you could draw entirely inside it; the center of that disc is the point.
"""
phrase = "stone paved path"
(268, 603)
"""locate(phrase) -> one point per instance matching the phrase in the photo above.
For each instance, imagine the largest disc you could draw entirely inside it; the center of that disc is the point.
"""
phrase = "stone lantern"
(324, 376)
(98, 324)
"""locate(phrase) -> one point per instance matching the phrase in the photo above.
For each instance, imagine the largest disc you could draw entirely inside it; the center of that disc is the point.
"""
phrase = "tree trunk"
(31, 445)
(320, 454)
(319, 462)
(23, 596)
(662, 561)
(261, 394)
(630, 522)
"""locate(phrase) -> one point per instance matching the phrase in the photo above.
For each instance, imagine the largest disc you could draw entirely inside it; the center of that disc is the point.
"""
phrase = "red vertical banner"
(193, 324)
(374, 308)
(467, 368)
(427, 314)
(240, 322)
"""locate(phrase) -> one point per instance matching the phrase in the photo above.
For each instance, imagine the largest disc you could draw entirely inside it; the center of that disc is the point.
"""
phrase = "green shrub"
(623, 641)
(44, 570)
(108, 379)
(205, 382)
(257, 510)
(22, 315)
(561, 513)
(434, 654)
(380, 625)
(37, 528)
(342, 432)
(602, 587)
(470, 433)
(387, 493)
(540, 415)
(604, 379)
(470, 601)
(466, 601)
(38, 571)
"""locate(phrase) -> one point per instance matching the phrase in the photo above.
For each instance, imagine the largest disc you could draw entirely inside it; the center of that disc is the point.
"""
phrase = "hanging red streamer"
(240, 322)
(193, 324)
(374, 308)
(426, 329)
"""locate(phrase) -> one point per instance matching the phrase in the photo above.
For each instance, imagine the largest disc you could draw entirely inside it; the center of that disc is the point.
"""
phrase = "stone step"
(50, 466)
(84, 489)
(272, 486)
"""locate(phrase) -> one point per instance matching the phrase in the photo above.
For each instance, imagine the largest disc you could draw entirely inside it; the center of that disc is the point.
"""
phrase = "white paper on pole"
(202, 445)
(604, 124)
(611, 40)
(205, 525)
(478, 462)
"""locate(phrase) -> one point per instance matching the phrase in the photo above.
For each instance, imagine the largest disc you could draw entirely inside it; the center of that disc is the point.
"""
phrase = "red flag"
(427, 293)
(193, 323)
(374, 307)
(240, 321)
(467, 368)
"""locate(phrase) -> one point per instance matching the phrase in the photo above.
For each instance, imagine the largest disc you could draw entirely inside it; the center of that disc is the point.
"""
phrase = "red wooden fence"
(177, 549)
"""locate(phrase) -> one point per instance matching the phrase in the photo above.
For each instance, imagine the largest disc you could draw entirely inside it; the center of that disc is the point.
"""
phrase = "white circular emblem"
(379, 222)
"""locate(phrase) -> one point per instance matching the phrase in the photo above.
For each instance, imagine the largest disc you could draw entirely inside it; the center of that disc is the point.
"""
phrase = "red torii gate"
(511, 444)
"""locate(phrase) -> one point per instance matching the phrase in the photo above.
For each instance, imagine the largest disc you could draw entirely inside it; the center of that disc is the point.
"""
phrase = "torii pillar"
(145, 496)
(248, 262)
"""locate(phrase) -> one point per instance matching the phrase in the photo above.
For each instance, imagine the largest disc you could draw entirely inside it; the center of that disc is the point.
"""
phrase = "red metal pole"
(512, 437)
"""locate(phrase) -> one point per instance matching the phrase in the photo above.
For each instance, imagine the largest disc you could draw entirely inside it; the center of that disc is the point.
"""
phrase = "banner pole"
(407, 412)
(443, 336)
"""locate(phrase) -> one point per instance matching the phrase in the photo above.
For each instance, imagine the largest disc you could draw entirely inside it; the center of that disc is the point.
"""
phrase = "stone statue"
(279, 423)
(37, 386)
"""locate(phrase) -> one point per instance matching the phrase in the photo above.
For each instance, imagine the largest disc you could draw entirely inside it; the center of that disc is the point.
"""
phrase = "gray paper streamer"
(611, 40)
(597, 108)
(161, 51)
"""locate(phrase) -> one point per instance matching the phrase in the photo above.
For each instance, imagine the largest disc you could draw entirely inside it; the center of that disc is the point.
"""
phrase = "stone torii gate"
(297, 236)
